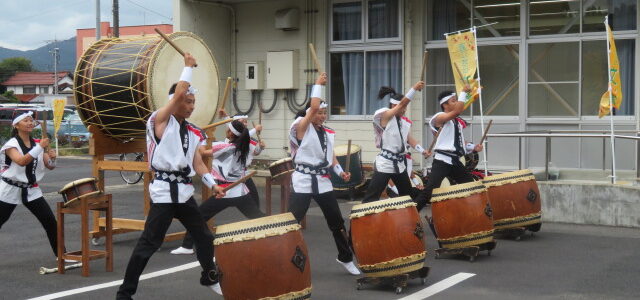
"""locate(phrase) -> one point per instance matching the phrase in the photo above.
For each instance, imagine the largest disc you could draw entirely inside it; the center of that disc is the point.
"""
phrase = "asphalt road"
(562, 261)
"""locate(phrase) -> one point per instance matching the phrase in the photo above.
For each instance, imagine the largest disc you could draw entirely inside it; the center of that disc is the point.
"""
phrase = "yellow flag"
(615, 85)
(462, 52)
(58, 110)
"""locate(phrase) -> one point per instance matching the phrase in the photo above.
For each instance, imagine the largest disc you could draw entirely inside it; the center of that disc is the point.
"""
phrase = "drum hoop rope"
(360, 212)
(251, 233)
(508, 180)
(299, 295)
(467, 238)
(520, 220)
(461, 193)
(395, 263)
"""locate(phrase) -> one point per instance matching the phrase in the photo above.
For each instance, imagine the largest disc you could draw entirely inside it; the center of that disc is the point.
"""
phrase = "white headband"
(240, 117)
(445, 99)
(394, 101)
(322, 105)
(21, 117)
(233, 130)
(190, 91)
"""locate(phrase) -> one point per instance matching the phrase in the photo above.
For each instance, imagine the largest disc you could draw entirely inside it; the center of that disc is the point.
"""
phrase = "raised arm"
(23, 160)
(458, 108)
(316, 93)
(387, 115)
(163, 114)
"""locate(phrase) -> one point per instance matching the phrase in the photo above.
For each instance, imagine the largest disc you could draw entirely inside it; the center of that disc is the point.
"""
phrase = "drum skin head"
(166, 70)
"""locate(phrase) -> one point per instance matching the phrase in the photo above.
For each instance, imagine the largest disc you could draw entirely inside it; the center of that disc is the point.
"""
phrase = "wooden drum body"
(81, 187)
(355, 168)
(118, 83)
(387, 237)
(515, 199)
(263, 258)
(281, 167)
(462, 215)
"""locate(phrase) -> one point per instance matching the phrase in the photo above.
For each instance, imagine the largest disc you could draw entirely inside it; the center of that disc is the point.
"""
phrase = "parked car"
(74, 131)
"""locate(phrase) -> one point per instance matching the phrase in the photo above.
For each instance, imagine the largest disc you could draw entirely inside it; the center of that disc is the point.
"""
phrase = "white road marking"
(439, 286)
(116, 283)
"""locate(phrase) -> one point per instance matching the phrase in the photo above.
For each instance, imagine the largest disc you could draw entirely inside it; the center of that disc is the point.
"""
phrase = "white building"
(543, 66)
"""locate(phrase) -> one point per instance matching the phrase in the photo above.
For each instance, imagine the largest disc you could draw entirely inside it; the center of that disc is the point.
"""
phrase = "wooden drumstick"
(225, 95)
(166, 38)
(45, 270)
(435, 139)
(486, 130)
(259, 116)
(425, 58)
(348, 162)
(257, 132)
(44, 129)
(315, 57)
(216, 124)
(241, 180)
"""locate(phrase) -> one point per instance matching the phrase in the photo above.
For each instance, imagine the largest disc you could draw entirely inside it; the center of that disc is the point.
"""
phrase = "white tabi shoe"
(216, 288)
(350, 267)
(182, 251)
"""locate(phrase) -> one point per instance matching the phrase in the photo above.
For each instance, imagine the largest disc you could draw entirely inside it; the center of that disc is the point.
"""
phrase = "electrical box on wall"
(253, 79)
(282, 70)
(288, 19)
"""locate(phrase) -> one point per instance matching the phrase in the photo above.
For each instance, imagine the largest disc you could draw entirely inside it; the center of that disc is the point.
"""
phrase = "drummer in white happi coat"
(312, 150)
(392, 134)
(24, 160)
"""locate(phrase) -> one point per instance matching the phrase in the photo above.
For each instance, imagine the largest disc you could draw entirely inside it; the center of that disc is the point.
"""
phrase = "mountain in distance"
(42, 59)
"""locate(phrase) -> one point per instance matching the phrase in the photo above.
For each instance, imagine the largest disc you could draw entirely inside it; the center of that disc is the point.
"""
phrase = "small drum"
(515, 199)
(81, 187)
(357, 173)
(118, 83)
(263, 258)
(281, 167)
(387, 237)
(462, 215)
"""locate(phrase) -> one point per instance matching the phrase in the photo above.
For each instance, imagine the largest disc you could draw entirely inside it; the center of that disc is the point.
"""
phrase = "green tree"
(9, 67)
(10, 95)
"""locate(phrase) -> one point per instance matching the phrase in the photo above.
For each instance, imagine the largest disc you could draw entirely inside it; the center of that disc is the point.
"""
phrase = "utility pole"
(116, 19)
(55, 70)
(98, 35)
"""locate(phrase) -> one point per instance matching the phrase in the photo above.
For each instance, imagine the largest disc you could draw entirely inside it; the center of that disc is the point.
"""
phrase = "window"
(359, 66)
(44, 90)
(452, 15)
(28, 89)
(560, 17)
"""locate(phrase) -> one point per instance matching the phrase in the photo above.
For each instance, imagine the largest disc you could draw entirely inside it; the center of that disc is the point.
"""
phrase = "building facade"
(542, 63)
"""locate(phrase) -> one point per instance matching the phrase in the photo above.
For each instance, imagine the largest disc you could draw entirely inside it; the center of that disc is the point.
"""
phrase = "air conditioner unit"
(288, 19)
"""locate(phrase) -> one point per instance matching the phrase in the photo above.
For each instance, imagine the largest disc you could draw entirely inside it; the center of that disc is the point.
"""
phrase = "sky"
(29, 24)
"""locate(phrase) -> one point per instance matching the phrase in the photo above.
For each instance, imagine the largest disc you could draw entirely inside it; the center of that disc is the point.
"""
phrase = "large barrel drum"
(387, 236)
(515, 200)
(462, 215)
(118, 83)
(263, 258)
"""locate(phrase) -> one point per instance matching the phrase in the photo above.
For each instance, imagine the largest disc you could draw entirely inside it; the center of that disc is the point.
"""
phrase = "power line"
(150, 10)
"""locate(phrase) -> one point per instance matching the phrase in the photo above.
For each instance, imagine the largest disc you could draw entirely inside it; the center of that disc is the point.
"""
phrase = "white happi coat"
(167, 154)
(226, 168)
(446, 138)
(10, 193)
(390, 139)
(309, 152)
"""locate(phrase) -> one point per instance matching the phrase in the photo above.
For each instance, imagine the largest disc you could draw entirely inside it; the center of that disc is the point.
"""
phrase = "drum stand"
(470, 251)
(397, 281)
(101, 145)
(516, 233)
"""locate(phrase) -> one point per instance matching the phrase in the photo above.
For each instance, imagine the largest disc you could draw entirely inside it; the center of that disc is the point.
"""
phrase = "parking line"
(439, 286)
(115, 283)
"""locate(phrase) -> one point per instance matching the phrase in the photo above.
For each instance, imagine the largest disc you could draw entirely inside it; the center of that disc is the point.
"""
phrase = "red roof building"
(34, 78)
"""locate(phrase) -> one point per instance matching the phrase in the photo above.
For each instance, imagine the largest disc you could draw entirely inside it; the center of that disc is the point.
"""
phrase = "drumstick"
(216, 124)
(425, 58)
(257, 133)
(486, 130)
(44, 128)
(315, 57)
(44, 271)
(241, 180)
(435, 139)
(225, 95)
(259, 116)
(166, 38)
(348, 162)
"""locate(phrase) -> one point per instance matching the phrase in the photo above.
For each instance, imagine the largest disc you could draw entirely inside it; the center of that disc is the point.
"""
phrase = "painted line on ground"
(439, 286)
(116, 283)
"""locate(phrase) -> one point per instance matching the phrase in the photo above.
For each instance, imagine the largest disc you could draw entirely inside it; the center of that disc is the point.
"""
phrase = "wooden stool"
(100, 202)
(285, 193)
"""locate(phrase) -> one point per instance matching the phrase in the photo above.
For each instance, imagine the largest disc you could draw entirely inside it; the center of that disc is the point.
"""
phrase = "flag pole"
(484, 142)
(613, 144)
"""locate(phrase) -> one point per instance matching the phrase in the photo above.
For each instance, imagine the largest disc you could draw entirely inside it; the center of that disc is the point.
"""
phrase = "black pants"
(379, 182)
(253, 191)
(440, 170)
(43, 213)
(213, 206)
(299, 204)
(155, 228)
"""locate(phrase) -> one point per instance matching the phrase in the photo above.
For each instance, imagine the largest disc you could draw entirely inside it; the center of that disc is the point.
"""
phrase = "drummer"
(24, 160)
(174, 156)
(230, 161)
(450, 145)
(312, 151)
(257, 145)
(392, 133)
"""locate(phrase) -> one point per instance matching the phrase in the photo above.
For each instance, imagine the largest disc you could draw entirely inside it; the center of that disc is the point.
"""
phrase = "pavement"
(562, 261)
